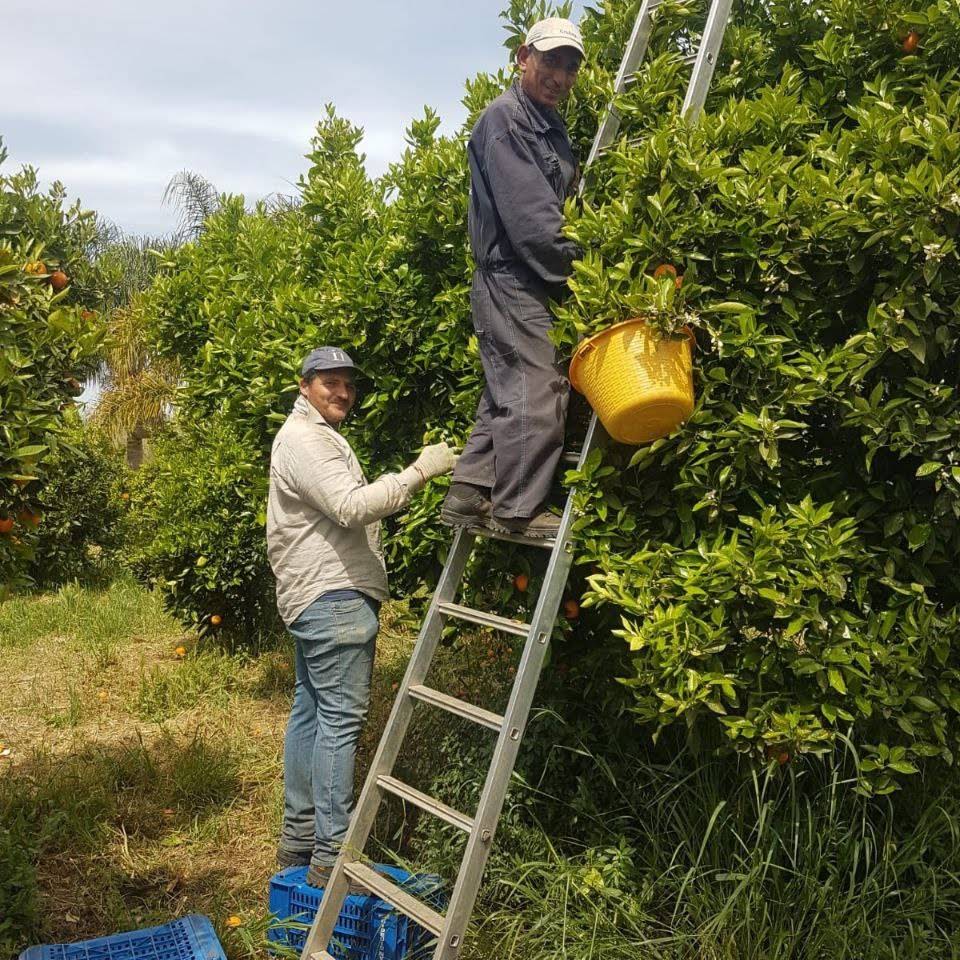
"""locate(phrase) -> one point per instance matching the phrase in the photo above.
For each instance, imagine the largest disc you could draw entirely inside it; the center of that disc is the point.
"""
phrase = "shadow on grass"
(66, 823)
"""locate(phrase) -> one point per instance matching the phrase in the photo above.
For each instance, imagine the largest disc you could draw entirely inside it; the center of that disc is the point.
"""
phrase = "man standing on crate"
(323, 541)
(522, 169)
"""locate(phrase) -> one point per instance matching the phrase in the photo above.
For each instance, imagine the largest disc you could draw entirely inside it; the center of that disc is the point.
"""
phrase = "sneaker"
(319, 877)
(292, 858)
(465, 506)
(543, 526)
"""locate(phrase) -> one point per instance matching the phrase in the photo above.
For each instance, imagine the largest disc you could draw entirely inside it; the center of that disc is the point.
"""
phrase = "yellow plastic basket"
(641, 387)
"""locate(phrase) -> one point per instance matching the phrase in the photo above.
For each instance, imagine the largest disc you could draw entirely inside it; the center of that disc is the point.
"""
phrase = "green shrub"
(782, 568)
(47, 345)
(82, 509)
(195, 530)
(784, 565)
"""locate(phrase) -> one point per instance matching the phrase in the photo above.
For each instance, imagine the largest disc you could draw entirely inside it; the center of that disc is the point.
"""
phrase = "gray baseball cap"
(328, 358)
(555, 32)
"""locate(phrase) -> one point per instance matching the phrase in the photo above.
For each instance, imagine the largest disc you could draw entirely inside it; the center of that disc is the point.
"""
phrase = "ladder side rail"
(634, 53)
(707, 55)
(505, 752)
(391, 741)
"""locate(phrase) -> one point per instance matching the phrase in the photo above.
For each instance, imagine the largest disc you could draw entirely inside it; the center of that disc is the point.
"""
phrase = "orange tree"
(48, 343)
(781, 569)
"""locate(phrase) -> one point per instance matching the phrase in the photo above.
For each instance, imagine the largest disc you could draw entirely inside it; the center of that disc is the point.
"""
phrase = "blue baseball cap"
(328, 358)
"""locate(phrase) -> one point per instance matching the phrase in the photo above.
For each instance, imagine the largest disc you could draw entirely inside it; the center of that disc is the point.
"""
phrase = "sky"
(115, 98)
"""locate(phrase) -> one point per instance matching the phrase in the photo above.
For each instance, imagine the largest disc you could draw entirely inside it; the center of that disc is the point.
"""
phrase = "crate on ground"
(368, 928)
(189, 938)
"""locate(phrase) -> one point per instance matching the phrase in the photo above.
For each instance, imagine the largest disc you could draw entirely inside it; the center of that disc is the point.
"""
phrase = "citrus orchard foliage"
(47, 345)
(787, 562)
(783, 566)
(82, 502)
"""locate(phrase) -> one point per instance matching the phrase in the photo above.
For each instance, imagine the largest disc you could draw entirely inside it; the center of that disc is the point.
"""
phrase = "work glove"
(434, 461)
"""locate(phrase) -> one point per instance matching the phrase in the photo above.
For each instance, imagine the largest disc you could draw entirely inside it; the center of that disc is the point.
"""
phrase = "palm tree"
(197, 200)
(137, 388)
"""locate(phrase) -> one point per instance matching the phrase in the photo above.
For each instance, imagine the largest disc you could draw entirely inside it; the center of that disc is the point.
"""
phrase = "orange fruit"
(87, 314)
(58, 280)
(181, 652)
(35, 268)
(571, 609)
(234, 922)
(521, 581)
(911, 42)
(124, 496)
(665, 270)
(216, 620)
(28, 518)
(6, 525)
(668, 270)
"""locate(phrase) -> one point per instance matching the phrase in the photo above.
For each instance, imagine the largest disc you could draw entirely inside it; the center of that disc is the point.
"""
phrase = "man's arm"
(318, 472)
(528, 207)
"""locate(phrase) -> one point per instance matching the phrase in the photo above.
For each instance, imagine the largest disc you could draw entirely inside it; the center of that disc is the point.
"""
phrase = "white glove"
(434, 461)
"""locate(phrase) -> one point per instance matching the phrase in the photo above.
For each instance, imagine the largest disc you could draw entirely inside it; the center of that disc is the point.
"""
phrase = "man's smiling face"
(331, 393)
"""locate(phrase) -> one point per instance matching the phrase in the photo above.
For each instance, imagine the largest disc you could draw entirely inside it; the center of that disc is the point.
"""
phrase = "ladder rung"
(545, 543)
(484, 619)
(406, 903)
(322, 955)
(571, 456)
(424, 802)
(459, 707)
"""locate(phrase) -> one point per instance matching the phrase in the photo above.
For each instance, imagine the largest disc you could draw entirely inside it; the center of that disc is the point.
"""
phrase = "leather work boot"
(465, 506)
(542, 526)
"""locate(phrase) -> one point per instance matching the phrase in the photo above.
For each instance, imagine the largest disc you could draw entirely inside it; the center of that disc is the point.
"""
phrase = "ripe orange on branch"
(58, 280)
(216, 620)
(911, 42)
(571, 609)
(521, 581)
(668, 270)
(6, 525)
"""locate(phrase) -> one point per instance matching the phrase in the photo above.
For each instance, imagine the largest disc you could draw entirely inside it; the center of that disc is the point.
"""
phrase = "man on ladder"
(522, 169)
(480, 828)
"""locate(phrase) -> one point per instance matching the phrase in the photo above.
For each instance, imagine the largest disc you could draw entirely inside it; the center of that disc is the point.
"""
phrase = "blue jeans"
(335, 642)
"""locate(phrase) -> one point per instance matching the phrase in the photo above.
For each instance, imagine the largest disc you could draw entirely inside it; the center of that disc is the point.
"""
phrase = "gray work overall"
(522, 168)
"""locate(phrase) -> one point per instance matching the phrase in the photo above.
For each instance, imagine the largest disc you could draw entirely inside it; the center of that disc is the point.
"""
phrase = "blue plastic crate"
(367, 929)
(190, 938)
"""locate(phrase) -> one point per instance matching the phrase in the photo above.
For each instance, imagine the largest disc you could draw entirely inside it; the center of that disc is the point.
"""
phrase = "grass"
(143, 783)
(698, 860)
(140, 785)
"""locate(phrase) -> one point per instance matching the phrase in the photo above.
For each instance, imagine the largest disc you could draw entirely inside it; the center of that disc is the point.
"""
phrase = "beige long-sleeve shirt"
(323, 530)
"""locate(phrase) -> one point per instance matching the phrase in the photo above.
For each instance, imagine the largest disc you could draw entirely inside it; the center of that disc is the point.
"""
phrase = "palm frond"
(196, 199)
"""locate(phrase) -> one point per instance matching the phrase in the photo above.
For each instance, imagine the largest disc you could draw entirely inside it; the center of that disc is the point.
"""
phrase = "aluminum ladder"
(450, 929)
